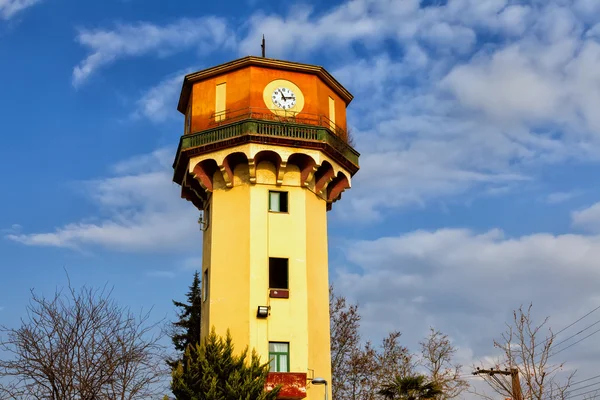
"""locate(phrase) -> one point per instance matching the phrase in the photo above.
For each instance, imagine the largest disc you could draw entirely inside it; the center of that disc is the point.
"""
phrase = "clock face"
(283, 98)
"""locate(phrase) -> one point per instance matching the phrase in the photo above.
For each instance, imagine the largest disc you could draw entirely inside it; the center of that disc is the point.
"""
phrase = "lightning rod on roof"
(262, 46)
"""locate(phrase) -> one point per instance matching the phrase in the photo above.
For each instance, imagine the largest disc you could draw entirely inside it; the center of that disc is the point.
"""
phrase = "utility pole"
(515, 384)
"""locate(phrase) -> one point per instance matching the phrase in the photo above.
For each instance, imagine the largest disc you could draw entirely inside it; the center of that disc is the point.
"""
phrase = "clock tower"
(265, 153)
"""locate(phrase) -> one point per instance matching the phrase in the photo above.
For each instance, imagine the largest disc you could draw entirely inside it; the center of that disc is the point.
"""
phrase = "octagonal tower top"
(265, 102)
(264, 88)
(264, 63)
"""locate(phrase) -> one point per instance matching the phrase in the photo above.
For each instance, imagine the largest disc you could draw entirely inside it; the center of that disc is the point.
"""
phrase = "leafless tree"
(347, 358)
(359, 370)
(528, 348)
(437, 353)
(80, 344)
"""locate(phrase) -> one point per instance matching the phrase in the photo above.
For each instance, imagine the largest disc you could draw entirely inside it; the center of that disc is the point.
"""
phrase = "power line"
(572, 336)
(583, 387)
(573, 344)
(568, 326)
(581, 394)
(585, 380)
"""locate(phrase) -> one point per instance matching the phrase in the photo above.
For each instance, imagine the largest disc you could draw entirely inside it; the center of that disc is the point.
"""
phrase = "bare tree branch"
(437, 353)
(79, 344)
(527, 347)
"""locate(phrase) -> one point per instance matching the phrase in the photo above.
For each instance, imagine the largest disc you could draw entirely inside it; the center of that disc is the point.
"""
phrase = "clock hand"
(282, 95)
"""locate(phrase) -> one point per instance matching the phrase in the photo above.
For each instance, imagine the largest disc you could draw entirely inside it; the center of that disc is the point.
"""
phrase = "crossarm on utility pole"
(515, 384)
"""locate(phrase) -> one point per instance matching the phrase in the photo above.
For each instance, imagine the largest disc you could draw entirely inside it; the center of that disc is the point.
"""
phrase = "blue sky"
(477, 121)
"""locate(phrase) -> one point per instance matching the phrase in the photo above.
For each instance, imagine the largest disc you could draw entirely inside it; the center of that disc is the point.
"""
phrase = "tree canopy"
(211, 371)
(186, 330)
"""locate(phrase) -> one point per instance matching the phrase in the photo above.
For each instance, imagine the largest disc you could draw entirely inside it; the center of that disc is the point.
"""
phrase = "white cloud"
(546, 77)
(159, 102)
(161, 274)
(145, 212)
(469, 282)
(594, 31)
(157, 160)
(506, 86)
(10, 8)
(129, 40)
(192, 263)
(481, 94)
(14, 228)
(588, 218)
(561, 197)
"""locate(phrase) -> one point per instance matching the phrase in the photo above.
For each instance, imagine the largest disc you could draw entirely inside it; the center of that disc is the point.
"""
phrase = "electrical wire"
(572, 336)
(573, 344)
(585, 380)
(551, 348)
(583, 387)
(581, 394)
(568, 326)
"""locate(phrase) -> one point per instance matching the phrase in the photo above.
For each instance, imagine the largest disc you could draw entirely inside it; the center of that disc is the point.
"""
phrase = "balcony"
(256, 126)
(293, 384)
(282, 116)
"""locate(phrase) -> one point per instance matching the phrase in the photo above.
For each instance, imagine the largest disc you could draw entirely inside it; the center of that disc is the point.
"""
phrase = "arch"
(203, 173)
(229, 164)
(323, 176)
(292, 176)
(274, 158)
(307, 166)
(192, 191)
(266, 172)
(337, 186)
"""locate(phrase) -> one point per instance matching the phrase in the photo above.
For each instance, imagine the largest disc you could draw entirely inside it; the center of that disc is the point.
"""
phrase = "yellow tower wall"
(228, 272)
(242, 234)
(230, 174)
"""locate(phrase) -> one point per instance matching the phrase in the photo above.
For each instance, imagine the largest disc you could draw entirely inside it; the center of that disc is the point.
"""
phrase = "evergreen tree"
(211, 371)
(186, 331)
(410, 388)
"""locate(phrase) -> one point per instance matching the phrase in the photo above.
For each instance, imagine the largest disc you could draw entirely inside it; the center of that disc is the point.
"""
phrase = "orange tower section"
(265, 153)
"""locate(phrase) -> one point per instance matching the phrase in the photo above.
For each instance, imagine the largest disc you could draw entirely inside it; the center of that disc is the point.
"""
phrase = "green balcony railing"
(270, 129)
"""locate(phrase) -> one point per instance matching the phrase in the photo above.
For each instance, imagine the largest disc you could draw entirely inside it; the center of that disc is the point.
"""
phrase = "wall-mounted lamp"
(320, 381)
(262, 312)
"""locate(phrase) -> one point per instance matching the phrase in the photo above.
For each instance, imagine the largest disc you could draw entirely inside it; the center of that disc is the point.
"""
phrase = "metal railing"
(283, 116)
(249, 126)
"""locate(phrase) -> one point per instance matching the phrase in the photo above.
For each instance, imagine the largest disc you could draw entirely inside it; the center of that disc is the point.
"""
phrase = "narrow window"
(205, 286)
(278, 201)
(279, 356)
(332, 113)
(220, 101)
(188, 119)
(278, 273)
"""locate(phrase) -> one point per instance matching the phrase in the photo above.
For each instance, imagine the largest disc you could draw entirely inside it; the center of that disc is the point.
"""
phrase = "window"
(278, 273)
(188, 119)
(279, 356)
(220, 101)
(332, 113)
(205, 286)
(278, 201)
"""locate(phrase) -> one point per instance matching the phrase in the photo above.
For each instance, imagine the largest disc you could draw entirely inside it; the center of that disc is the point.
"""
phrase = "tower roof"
(319, 71)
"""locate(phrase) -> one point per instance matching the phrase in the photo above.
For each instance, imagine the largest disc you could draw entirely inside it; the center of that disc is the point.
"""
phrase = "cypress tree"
(186, 330)
(211, 371)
